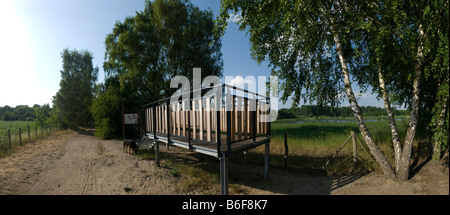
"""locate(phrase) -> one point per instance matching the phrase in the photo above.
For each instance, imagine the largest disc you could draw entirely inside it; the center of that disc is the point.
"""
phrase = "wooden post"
(177, 118)
(35, 130)
(239, 117)
(286, 149)
(158, 118)
(9, 139)
(354, 150)
(155, 142)
(233, 119)
(20, 136)
(337, 151)
(183, 118)
(188, 116)
(29, 136)
(201, 123)
(168, 123)
(208, 118)
(174, 118)
(194, 118)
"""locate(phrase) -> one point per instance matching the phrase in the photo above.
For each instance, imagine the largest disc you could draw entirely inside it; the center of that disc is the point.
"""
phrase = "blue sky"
(34, 32)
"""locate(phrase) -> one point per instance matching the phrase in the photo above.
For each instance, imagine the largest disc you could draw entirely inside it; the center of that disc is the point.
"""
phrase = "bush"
(106, 111)
(105, 130)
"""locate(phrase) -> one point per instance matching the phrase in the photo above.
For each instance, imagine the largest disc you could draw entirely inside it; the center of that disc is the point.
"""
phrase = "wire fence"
(15, 136)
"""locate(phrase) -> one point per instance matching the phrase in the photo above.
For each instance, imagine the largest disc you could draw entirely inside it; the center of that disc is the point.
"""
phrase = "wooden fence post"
(20, 135)
(337, 151)
(9, 138)
(286, 150)
(29, 136)
(35, 130)
(355, 160)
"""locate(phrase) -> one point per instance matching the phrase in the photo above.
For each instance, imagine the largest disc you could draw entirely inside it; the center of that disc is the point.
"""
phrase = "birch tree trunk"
(403, 172)
(394, 131)
(376, 152)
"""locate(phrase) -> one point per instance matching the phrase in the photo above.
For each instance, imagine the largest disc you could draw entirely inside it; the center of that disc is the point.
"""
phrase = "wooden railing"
(247, 117)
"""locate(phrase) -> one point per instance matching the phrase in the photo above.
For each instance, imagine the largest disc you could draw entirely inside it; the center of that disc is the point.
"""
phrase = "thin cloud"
(236, 18)
(240, 81)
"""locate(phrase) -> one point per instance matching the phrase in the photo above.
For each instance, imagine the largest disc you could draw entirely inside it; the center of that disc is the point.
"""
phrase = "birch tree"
(318, 48)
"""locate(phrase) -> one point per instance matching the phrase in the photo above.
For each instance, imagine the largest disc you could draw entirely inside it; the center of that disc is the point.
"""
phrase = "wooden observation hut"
(224, 120)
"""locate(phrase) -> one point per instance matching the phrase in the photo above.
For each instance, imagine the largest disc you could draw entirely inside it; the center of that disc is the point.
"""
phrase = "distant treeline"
(23, 112)
(328, 111)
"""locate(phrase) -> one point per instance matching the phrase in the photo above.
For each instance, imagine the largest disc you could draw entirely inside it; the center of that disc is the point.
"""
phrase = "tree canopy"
(319, 48)
(145, 51)
(74, 98)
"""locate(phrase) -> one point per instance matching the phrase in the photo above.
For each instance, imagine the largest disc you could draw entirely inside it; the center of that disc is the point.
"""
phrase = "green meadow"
(19, 127)
(313, 141)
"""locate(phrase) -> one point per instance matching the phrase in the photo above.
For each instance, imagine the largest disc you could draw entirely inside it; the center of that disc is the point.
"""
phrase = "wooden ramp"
(228, 121)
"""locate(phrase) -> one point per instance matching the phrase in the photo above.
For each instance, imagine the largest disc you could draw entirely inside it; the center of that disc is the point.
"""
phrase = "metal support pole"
(223, 174)
(229, 131)
(266, 161)
(218, 136)
(156, 153)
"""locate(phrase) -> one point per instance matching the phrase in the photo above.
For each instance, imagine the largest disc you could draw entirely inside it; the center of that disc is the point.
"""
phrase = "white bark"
(403, 172)
(394, 131)
(376, 152)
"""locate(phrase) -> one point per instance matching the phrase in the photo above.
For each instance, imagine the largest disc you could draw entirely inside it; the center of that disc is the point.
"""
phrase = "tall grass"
(17, 140)
(312, 142)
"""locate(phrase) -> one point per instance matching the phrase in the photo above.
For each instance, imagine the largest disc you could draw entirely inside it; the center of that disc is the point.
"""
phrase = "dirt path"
(70, 163)
(78, 164)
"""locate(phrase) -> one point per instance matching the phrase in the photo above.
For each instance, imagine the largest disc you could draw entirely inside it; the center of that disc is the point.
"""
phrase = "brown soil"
(72, 163)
